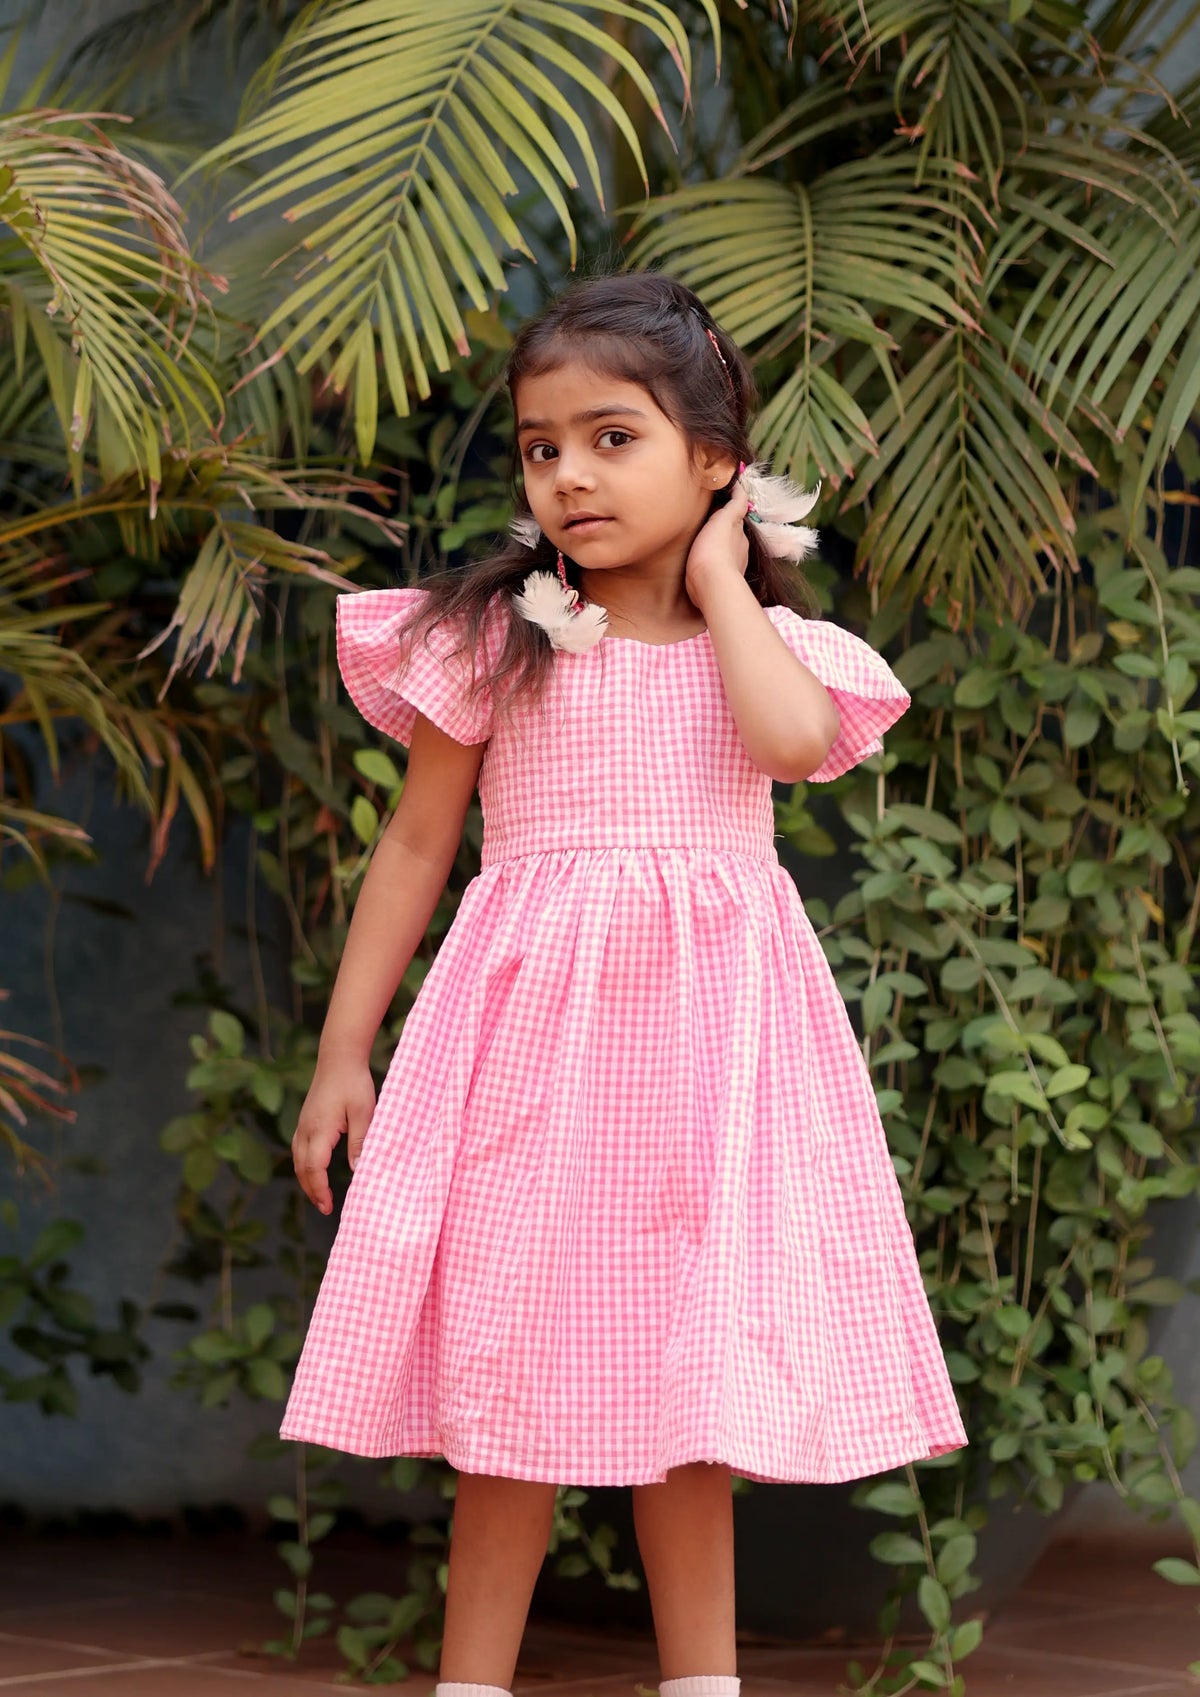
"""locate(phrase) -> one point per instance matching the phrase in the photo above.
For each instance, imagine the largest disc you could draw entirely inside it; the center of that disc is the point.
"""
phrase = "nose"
(572, 470)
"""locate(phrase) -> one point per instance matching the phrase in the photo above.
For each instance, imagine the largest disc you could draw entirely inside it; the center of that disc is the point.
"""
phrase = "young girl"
(624, 1212)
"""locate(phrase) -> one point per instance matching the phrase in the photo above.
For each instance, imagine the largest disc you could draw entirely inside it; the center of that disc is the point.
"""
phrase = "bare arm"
(407, 875)
(785, 716)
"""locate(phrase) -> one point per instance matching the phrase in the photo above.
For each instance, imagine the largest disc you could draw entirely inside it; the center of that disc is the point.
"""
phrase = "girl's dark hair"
(643, 328)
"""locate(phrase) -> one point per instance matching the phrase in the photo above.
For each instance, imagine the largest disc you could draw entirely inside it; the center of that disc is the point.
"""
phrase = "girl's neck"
(637, 601)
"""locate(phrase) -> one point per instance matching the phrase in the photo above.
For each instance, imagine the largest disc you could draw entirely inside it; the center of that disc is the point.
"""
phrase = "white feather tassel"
(778, 504)
(544, 601)
(526, 529)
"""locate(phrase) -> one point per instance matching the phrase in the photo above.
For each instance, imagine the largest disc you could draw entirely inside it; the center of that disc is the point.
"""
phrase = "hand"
(340, 1099)
(720, 548)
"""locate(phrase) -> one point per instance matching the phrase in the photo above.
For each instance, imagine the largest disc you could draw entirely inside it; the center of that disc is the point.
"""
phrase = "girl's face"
(608, 476)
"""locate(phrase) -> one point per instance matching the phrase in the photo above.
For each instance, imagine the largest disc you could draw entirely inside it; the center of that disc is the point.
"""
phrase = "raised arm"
(407, 874)
(784, 714)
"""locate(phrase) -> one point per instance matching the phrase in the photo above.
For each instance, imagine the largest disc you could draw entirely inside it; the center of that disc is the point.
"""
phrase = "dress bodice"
(632, 743)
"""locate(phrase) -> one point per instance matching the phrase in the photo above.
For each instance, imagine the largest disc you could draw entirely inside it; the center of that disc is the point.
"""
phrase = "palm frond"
(55, 681)
(407, 128)
(1111, 312)
(102, 285)
(961, 79)
(801, 272)
(962, 498)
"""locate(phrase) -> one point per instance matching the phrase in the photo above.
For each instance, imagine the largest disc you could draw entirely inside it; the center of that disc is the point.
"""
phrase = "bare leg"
(685, 1538)
(498, 1543)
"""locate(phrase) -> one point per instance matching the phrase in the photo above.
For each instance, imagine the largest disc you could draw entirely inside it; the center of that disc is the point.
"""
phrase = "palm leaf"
(1113, 309)
(802, 272)
(55, 680)
(963, 499)
(101, 283)
(408, 126)
(961, 78)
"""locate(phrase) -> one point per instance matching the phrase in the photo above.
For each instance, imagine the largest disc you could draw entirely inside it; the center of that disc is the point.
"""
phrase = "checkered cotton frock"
(626, 1200)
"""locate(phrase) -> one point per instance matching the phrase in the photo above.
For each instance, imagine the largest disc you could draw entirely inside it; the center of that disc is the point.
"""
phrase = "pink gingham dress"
(626, 1200)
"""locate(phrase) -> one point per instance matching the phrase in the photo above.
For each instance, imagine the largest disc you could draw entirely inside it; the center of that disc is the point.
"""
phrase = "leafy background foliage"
(965, 264)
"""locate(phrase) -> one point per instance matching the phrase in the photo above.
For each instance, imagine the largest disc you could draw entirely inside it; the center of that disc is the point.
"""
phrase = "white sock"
(701, 1685)
(456, 1688)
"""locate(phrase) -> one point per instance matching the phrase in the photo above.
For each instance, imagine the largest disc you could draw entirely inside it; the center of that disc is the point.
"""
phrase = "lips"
(585, 524)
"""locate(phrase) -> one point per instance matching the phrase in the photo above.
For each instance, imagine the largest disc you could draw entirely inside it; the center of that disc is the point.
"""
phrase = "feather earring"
(526, 530)
(550, 602)
(776, 504)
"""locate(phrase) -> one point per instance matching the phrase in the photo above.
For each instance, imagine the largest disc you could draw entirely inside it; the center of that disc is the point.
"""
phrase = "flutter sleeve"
(866, 692)
(433, 681)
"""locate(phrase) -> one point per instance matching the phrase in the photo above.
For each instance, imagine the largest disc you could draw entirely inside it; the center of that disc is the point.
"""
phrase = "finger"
(738, 504)
(314, 1182)
(311, 1170)
(359, 1119)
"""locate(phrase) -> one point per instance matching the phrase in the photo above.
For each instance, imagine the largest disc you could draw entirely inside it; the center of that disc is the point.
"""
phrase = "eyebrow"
(588, 417)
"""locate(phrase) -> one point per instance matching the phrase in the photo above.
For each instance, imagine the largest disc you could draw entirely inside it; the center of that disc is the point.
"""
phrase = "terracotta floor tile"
(23, 1657)
(1028, 1611)
(552, 1653)
(120, 1617)
(1099, 1571)
(629, 1685)
(990, 1672)
(1157, 1641)
(319, 1664)
(167, 1679)
(159, 1625)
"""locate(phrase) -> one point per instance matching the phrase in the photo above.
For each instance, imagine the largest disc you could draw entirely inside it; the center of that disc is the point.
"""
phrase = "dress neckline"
(636, 642)
(680, 642)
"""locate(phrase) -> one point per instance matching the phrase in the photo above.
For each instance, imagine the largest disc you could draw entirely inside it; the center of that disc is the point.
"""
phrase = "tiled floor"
(149, 1617)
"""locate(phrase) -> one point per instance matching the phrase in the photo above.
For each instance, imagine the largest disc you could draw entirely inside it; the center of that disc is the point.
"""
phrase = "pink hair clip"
(728, 374)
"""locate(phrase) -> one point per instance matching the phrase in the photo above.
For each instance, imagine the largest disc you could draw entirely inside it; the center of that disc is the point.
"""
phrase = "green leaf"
(1004, 824)
(892, 1498)
(877, 1003)
(960, 974)
(377, 768)
(1016, 1085)
(897, 1549)
(955, 1072)
(1085, 877)
(965, 1639)
(228, 1032)
(259, 1322)
(297, 1556)
(977, 688)
(1178, 1571)
(955, 1557)
(405, 1473)
(1080, 724)
(267, 1090)
(1066, 1079)
(364, 820)
(266, 1378)
(928, 1672)
(200, 1167)
(934, 1602)
(926, 822)
(54, 1240)
(354, 1645)
(1160, 1292)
